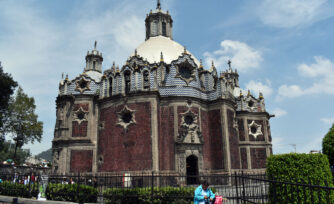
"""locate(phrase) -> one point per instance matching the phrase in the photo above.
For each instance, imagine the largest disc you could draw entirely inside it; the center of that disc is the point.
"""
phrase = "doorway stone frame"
(185, 150)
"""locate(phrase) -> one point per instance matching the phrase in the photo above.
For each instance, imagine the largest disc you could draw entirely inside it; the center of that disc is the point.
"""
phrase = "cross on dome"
(229, 62)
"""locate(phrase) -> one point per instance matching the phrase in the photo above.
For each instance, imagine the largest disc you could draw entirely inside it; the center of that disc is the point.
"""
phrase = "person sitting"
(203, 194)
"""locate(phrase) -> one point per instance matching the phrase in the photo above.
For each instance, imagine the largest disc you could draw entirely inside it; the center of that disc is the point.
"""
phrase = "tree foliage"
(23, 122)
(7, 152)
(47, 155)
(7, 87)
(328, 145)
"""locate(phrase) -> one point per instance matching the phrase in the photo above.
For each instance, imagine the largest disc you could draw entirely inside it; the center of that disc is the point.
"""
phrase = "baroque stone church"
(162, 111)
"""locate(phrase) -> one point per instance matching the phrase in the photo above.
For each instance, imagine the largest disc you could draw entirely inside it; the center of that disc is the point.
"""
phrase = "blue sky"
(285, 48)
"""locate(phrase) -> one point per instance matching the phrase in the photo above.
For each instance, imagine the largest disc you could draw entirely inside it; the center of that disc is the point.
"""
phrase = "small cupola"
(158, 23)
(231, 76)
(94, 60)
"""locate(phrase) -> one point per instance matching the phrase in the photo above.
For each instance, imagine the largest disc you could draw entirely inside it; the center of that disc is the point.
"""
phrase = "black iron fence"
(150, 187)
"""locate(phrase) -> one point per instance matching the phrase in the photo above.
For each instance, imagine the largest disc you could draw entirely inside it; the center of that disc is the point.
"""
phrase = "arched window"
(110, 86)
(164, 32)
(146, 79)
(127, 80)
(154, 28)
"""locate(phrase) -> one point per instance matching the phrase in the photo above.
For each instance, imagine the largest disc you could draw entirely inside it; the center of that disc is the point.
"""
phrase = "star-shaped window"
(126, 117)
(254, 129)
(82, 85)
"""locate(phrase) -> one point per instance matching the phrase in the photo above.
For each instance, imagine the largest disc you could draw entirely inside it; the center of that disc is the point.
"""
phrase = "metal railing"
(236, 188)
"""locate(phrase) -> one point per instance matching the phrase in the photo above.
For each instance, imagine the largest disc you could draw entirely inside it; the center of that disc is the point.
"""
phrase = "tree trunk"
(15, 150)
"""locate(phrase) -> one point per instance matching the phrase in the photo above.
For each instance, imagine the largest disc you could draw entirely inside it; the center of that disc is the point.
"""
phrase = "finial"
(117, 69)
(113, 66)
(184, 50)
(158, 5)
(66, 77)
(248, 94)
(62, 75)
(212, 64)
(136, 52)
(161, 57)
(95, 45)
(241, 93)
(200, 64)
(229, 64)
(260, 95)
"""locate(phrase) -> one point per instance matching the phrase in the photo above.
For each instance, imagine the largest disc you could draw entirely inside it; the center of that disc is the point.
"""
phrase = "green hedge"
(18, 190)
(165, 195)
(70, 192)
(299, 168)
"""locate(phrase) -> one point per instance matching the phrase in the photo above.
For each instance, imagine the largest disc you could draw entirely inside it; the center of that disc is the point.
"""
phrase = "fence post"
(304, 191)
(311, 190)
(236, 186)
(243, 186)
(152, 186)
(327, 191)
(30, 183)
(78, 182)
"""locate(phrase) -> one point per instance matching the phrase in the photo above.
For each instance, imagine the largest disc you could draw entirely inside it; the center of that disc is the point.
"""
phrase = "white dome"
(96, 76)
(171, 50)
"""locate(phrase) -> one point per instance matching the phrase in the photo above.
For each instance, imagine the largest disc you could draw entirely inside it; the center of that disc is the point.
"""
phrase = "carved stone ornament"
(126, 117)
(185, 71)
(254, 129)
(189, 131)
(82, 85)
(80, 115)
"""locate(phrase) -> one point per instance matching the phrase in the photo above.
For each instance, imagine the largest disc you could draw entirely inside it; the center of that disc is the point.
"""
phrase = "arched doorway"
(192, 170)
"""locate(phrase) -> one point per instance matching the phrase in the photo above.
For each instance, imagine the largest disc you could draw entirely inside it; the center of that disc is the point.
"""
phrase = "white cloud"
(329, 121)
(320, 74)
(256, 87)
(290, 91)
(243, 57)
(292, 13)
(279, 112)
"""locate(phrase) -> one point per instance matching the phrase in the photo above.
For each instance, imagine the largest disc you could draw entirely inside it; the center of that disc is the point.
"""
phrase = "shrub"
(71, 192)
(18, 190)
(164, 195)
(299, 168)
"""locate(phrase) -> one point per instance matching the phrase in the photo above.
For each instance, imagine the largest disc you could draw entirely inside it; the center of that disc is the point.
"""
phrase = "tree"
(23, 123)
(7, 87)
(8, 150)
(328, 145)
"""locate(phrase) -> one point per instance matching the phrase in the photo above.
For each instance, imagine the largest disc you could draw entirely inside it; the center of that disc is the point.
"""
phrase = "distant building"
(161, 111)
(33, 160)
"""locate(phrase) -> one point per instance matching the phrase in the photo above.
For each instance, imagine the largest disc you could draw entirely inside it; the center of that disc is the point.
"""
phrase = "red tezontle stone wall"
(81, 161)
(122, 149)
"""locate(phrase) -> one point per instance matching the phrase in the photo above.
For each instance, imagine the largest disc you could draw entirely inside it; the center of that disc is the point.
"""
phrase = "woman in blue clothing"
(203, 194)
